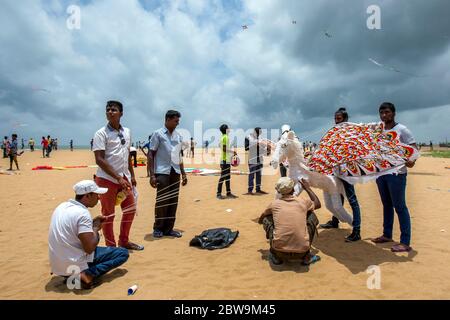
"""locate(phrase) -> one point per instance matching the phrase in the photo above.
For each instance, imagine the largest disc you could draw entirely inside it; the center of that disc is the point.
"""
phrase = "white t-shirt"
(64, 247)
(116, 153)
(405, 136)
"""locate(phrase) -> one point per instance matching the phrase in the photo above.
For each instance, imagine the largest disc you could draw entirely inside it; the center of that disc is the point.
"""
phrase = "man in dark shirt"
(12, 152)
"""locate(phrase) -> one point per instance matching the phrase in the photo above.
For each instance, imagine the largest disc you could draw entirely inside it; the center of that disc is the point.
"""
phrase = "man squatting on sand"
(290, 223)
(73, 238)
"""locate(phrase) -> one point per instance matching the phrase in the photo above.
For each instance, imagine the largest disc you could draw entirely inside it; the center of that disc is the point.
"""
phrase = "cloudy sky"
(296, 62)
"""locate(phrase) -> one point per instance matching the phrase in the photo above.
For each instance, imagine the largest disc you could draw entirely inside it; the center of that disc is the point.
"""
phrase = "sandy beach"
(170, 269)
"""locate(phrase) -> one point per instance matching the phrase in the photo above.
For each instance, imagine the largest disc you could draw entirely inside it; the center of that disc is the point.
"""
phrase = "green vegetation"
(437, 154)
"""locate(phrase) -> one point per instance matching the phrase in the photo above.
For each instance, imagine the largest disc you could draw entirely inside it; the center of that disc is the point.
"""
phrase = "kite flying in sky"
(35, 88)
(328, 34)
(392, 68)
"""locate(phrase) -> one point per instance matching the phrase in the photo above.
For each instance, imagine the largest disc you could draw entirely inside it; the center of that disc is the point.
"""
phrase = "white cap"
(285, 127)
(285, 185)
(88, 186)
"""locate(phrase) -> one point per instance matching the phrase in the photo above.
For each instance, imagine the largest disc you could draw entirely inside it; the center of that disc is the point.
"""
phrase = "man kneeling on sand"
(73, 238)
(290, 224)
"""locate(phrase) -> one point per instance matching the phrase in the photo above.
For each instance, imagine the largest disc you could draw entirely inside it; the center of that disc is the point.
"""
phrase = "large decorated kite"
(360, 152)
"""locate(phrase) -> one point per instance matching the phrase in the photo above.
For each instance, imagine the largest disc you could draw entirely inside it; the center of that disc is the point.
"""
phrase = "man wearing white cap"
(290, 223)
(73, 238)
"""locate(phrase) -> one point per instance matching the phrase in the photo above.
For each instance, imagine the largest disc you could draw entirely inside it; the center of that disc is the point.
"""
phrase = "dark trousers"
(106, 259)
(255, 174)
(225, 175)
(392, 189)
(13, 158)
(353, 201)
(311, 223)
(5, 154)
(133, 155)
(283, 170)
(166, 201)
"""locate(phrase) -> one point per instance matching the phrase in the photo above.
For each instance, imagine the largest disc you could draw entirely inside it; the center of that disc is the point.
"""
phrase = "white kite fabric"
(358, 153)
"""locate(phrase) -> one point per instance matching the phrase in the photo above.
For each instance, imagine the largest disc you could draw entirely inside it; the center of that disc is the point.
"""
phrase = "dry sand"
(170, 269)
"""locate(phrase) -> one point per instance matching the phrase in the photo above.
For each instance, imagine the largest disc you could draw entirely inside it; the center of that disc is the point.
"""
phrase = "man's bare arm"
(105, 166)
(89, 241)
(266, 213)
(311, 194)
(151, 167)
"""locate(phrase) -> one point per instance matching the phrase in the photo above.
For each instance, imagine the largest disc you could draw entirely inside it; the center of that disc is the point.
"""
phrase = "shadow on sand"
(423, 174)
(57, 284)
(357, 256)
(291, 265)
(149, 237)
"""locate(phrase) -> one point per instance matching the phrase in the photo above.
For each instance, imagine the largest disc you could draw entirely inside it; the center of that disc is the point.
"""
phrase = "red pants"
(108, 201)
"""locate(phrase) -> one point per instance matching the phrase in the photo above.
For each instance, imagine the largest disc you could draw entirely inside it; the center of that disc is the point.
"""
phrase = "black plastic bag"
(211, 239)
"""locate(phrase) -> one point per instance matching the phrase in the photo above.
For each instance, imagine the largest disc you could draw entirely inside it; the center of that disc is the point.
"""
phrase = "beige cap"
(285, 185)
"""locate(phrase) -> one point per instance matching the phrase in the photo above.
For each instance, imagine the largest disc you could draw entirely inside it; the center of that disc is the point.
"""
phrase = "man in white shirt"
(392, 187)
(256, 150)
(112, 154)
(73, 238)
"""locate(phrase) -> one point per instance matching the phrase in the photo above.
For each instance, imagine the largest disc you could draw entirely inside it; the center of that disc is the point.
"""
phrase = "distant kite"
(328, 34)
(18, 124)
(294, 22)
(34, 88)
(391, 68)
(244, 27)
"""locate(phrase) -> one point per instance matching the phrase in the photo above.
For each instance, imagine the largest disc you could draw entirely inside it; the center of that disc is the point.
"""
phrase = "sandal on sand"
(401, 248)
(133, 246)
(381, 239)
(311, 260)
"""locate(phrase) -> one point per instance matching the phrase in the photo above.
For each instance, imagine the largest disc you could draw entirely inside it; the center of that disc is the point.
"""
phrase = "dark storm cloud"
(193, 55)
(412, 38)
